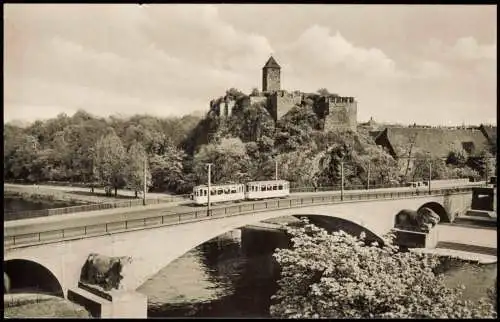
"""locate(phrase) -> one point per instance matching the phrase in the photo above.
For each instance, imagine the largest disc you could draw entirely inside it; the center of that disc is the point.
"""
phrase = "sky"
(432, 64)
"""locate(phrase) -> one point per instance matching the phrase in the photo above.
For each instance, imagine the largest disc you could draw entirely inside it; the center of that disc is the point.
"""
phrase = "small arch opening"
(25, 276)
(438, 209)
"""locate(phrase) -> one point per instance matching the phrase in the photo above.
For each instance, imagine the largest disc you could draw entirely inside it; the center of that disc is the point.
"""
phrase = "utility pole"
(209, 187)
(342, 180)
(486, 172)
(145, 184)
(275, 169)
(368, 181)
(430, 175)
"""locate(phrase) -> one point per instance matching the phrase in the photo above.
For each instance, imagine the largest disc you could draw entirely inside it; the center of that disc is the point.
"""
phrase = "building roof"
(271, 63)
(437, 141)
(490, 132)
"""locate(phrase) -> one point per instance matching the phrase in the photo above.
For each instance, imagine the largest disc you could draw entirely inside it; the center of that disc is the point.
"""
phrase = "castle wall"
(339, 113)
(222, 106)
(282, 102)
(257, 99)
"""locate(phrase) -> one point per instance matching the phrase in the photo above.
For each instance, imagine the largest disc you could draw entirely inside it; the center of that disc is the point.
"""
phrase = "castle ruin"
(335, 112)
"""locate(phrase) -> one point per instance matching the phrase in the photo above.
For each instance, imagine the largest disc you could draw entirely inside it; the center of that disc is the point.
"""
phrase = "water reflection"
(216, 279)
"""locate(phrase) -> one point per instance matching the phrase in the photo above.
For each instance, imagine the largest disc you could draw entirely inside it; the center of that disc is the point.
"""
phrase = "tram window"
(226, 191)
(275, 187)
(280, 187)
(262, 188)
(220, 191)
(213, 192)
(269, 188)
(200, 193)
(233, 190)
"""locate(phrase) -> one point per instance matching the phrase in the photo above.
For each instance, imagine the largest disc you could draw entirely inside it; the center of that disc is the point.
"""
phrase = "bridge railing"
(94, 207)
(13, 240)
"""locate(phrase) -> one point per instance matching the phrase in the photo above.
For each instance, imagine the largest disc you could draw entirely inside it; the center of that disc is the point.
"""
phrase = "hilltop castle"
(334, 111)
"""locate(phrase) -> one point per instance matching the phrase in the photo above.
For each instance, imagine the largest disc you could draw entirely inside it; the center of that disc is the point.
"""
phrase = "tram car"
(254, 190)
(267, 189)
(219, 193)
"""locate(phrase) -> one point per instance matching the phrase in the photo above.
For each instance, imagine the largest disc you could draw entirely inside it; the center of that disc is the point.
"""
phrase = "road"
(99, 192)
(26, 226)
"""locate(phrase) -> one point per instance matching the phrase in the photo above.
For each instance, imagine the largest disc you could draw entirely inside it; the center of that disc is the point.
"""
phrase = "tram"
(254, 190)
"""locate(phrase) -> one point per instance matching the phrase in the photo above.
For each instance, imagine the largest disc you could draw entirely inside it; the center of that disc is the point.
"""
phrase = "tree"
(457, 156)
(135, 166)
(299, 167)
(341, 276)
(255, 92)
(420, 171)
(229, 158)
(109, 161)
(295, 129)
(234, 93)
(23, 159)
(323, 92)
(484, 163)
(167, 168)
(251, 123)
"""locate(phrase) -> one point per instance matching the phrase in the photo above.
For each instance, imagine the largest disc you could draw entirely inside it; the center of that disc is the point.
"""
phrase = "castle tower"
(271, 73)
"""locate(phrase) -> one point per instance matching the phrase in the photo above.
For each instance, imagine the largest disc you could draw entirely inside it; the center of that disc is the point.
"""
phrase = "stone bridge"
(54, 265)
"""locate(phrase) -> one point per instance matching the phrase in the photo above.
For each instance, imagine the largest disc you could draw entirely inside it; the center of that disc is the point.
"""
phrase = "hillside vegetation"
(110, 152)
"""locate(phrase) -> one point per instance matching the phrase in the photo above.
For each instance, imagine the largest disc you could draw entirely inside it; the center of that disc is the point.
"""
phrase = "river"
(223, 278)
(15, 207)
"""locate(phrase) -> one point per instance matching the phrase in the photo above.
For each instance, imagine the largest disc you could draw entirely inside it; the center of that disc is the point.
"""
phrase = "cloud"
(318, 46)
(463, 50)
(169, 54)
(467, 48)
(172, 58)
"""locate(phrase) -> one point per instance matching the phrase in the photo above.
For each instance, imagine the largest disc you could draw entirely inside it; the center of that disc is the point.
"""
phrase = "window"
(280, 187)
(269, 188)
(227, 191)
(200, 193)
(205, 192)
(275, 187)
(233, 190)
(220, 191)
(262, 188)
(213, 192)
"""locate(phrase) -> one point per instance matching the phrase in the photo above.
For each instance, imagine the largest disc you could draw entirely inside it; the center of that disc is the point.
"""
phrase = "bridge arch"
(350, 226)
(439, 209)
(22, 275)
(327, 222)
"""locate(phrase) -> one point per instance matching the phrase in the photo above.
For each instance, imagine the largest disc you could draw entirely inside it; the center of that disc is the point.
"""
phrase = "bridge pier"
(123, 304)
(415, 239)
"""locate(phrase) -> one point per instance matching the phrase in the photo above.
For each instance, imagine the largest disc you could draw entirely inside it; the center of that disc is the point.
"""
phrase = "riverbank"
(63, 193)
(27, 305)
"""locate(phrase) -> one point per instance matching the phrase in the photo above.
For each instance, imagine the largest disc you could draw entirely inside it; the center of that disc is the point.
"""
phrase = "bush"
(340, 276)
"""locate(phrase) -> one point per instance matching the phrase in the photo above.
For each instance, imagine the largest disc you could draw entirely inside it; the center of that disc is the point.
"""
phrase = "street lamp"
(342, 180)
(144, 194)
(368, 181)
(275, 169)
(430, 173)
(209, 187)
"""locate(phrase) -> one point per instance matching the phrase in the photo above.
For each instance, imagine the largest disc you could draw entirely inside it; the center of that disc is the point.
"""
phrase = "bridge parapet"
(26, 236)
